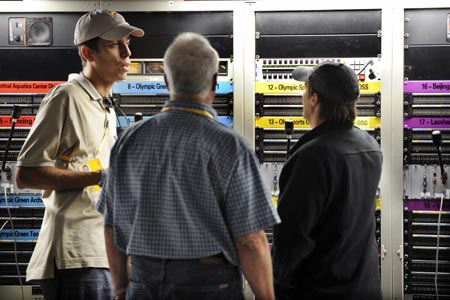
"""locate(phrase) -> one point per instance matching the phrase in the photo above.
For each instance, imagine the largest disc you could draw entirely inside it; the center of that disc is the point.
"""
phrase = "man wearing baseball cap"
(66, 154)
(325, 245)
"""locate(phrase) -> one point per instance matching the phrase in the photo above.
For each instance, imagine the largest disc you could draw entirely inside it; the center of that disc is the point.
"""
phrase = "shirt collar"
(87, 86)
(319, 130)
(191, 104)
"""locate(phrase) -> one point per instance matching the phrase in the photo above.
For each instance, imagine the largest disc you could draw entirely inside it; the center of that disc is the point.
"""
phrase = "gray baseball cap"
(106, 24)
(333, 81)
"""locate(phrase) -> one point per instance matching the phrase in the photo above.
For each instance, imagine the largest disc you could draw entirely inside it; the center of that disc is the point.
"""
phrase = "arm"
(256, 264)
(51, 178)
(118, 263)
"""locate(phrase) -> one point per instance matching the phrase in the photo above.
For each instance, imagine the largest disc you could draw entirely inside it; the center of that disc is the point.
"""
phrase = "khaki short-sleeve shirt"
(71, 127)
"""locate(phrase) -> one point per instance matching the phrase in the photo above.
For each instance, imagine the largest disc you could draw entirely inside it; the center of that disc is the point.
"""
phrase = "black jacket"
(325, 245)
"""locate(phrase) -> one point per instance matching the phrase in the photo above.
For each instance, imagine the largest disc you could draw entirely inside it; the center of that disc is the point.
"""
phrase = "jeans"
(162, 279)
(78, 284)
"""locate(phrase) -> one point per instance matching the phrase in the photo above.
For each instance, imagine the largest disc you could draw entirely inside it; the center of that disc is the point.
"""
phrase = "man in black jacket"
(325, 245)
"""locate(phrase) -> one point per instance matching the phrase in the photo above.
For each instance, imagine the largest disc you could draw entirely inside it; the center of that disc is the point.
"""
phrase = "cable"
(437, 141)
(437, 248)
(14, 117)
(111, 102)
(121, 128)
(4, 224)
(15, 242)
(123, 114)
(370, 62)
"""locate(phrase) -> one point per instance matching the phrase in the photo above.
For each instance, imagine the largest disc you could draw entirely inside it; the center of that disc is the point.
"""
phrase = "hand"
(120, 293)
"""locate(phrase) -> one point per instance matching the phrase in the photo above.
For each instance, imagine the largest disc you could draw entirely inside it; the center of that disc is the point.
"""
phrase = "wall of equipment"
(426, 139)
(288, 39)
(399, 54)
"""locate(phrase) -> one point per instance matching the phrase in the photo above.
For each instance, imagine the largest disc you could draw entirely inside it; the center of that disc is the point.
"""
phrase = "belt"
(218, 259)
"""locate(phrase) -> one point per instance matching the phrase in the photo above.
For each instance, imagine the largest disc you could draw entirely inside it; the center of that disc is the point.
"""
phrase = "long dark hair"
(343, 111)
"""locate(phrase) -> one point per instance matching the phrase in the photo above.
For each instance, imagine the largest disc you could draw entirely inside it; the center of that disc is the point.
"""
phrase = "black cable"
(115, 105)
(437, 141)
(14, 116)
(124, 115)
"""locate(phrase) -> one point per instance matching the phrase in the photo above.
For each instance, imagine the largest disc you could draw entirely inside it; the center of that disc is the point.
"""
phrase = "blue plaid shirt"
(181, 185)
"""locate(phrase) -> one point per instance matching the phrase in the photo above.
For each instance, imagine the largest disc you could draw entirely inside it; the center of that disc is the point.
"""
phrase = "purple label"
(427, 123)
(427, 87)
(426, 204)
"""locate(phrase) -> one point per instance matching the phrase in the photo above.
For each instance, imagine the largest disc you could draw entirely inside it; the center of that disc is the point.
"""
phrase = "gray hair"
(189, 64)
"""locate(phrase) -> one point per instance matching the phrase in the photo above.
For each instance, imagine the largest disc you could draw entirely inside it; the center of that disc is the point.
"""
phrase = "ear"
(214, 83)
(314, 100)
(87, 53)
(167, 83)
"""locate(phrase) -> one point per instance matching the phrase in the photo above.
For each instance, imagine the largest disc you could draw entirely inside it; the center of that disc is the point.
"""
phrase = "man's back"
(186, 176)
(334, 171)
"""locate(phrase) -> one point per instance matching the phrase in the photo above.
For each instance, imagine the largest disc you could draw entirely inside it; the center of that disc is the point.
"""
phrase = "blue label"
(20, 235)
(226, 120)
(123, 122)
(158, 88)
(18, 200)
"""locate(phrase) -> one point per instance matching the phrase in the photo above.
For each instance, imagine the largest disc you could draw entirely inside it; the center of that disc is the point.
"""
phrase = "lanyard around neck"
(197, 111)
(105, 133)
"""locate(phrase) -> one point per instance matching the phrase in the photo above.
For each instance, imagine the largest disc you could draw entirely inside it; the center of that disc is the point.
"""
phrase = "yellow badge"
(92, 166)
